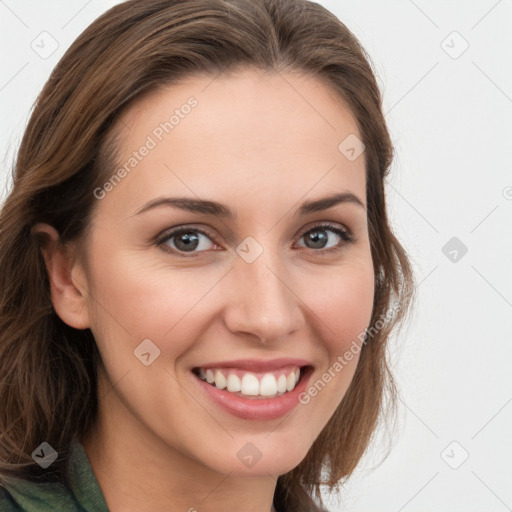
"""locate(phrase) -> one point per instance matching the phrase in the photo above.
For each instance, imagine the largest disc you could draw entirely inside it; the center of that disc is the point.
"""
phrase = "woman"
(198, 274)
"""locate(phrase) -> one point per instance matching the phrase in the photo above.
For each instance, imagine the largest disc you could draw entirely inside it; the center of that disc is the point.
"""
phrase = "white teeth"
(281, 383)
(249, 384)
(290, 381)
(234, 383)
(268, 385)
(220, 380)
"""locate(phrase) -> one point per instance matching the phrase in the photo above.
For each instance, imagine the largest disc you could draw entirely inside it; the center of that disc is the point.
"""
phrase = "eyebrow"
(221, 210)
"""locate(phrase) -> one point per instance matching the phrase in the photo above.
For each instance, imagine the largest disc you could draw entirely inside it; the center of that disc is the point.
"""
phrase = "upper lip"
(257, 365)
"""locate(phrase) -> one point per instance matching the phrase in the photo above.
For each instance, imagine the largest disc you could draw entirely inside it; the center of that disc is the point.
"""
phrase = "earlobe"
(68, 292)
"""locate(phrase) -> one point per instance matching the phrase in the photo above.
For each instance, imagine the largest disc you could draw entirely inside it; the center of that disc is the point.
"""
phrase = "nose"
(262, 301)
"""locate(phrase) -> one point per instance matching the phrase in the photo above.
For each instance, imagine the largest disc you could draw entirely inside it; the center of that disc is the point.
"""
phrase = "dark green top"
(86, 496)
(22, 495)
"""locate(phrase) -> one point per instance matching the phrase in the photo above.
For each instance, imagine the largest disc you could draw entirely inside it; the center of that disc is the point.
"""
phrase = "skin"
(262, 143)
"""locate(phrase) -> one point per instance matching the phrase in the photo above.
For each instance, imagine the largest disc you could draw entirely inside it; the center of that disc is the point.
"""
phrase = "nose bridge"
(263, 303)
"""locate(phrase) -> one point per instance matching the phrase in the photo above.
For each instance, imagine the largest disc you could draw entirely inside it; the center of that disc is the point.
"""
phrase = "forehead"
(240, 137)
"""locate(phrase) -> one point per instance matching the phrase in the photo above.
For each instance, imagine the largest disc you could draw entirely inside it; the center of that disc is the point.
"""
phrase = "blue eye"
(193, 240)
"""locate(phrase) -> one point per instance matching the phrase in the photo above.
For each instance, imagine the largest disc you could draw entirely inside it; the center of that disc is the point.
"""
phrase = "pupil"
(188, 240)
(318, 237)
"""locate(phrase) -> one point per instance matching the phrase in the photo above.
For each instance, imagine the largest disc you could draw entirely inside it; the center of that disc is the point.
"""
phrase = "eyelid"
(169, 233)
(319, 224)
(340, 230)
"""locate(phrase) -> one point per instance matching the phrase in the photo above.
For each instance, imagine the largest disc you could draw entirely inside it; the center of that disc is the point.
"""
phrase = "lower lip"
(256, 408)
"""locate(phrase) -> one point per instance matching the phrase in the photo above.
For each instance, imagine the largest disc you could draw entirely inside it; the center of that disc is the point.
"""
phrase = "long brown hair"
(48, 370)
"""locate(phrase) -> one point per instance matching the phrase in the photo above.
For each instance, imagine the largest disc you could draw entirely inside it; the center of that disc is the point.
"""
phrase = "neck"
(138, 471)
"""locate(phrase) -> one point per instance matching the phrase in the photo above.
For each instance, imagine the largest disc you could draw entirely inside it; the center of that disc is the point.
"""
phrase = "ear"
(67, 278)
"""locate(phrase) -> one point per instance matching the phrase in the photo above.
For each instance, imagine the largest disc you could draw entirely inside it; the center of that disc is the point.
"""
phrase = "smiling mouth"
(255, 385)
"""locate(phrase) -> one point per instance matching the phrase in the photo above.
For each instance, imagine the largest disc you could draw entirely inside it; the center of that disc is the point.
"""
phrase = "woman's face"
(181, 289)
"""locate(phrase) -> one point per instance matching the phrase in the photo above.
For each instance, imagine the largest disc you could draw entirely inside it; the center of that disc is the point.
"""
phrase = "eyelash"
(345, 235)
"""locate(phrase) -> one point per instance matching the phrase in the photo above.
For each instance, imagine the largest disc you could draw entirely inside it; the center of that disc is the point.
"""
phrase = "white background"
(450, 120)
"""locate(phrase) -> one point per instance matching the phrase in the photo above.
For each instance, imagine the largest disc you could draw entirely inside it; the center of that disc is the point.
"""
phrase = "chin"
(263, 455)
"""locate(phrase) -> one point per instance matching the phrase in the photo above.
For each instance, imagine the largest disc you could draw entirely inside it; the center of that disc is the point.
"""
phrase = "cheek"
(146, 301)
(135, 301)
(342, 300)
(342, 306)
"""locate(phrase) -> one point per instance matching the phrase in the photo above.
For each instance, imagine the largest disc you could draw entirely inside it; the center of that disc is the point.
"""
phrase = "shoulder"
(7, 504)
(78, 493)
(25, 496)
